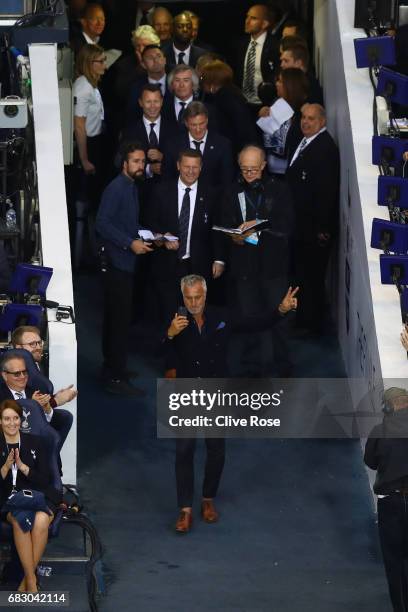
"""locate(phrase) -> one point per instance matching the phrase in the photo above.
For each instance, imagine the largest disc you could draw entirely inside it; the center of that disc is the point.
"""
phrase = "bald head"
(251, 161)
(257, 20)
(162, 21)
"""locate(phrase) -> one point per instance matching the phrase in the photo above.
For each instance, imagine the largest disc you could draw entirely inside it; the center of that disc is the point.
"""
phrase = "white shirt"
(156, 129)
(88, 103)
(161, 82)
(260, 41)
(305, 142)
(186, 56)
(193, 194)
(202, 145)
(177, 107)
(90, 40)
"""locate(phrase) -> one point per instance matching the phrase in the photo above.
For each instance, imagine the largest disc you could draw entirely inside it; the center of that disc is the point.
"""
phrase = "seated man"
(28, 337)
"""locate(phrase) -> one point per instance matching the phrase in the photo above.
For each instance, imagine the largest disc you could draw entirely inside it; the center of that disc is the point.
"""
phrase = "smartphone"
(182, 311)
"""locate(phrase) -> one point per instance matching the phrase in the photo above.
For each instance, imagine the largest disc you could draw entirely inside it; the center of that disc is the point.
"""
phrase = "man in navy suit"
(184, 208)
(154, 62)
(117, 223)
(180, 50)
(216, 151)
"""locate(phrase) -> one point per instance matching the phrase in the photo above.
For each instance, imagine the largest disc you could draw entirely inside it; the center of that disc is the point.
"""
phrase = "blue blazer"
(117, 222)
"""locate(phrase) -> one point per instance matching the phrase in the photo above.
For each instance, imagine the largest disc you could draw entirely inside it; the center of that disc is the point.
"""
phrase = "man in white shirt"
(258, 53)
(183, 82)
(181, 50)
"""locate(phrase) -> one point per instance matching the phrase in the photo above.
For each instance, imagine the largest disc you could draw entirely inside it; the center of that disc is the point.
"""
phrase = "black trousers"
(185, 449)
(393, 531)
(117, 316)
(168, 291)
(311, 261)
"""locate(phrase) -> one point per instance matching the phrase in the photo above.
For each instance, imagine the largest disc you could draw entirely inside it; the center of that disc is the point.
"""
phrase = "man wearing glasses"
(258, 262)
(28, 337)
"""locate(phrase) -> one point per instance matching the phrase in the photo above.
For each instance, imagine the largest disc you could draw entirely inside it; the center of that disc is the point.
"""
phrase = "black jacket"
(204, 355)
(270, 258)
(314, 181)
(163, 217)
(33, 454)
(270, 59)
(217, 170)
(195, 53)
(387, 452)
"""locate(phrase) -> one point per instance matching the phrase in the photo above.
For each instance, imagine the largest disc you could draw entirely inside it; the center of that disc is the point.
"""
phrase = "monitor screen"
(15, 8)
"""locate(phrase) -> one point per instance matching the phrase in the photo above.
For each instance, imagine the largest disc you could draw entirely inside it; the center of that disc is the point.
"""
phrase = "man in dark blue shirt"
(117, 223)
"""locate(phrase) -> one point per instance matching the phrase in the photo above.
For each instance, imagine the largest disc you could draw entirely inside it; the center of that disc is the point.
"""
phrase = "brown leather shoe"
(184, 522)
(208, 511)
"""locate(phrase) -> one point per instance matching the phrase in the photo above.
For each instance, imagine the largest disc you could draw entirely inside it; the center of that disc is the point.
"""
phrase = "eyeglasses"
(33, 344)
(101, 61)
(17, 374)
(250, 170)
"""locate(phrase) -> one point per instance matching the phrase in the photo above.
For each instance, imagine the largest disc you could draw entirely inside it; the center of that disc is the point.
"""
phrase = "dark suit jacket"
(5, 392)
(204, 355)
(163, 217)
(33, 454)
(195, 53)
(314, 181)
(270, 258)
(133, 108)
(217, 170)
(270, 59)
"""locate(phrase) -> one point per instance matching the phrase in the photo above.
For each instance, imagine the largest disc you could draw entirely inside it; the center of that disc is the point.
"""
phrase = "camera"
(13, 112)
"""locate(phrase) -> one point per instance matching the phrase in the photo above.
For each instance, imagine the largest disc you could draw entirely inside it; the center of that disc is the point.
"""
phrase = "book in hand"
(258, 225)
(148, 236)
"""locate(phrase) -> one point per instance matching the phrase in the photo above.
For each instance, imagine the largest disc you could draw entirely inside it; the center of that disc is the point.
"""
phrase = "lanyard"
(252, 203)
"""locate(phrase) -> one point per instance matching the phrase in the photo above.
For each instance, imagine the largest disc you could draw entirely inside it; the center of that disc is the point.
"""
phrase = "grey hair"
(184, 68)
(320, 108)
(8, 357)
(192, 279)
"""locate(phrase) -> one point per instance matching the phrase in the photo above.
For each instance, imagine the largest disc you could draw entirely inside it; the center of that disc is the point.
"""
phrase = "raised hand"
(289, 302)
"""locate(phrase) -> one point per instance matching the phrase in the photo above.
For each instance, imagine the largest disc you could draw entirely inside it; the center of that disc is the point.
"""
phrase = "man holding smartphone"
(197, 342)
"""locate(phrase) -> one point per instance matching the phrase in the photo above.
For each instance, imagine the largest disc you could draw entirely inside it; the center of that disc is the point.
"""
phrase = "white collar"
(177, 51)
(203, 140)
(260, 40)
(181, 185)
(309, 140)
(186, 102)
(89, 40)
(161, 80)
(147, 121)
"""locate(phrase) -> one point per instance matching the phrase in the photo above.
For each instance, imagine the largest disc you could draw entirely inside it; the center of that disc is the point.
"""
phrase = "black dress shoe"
(117, 386)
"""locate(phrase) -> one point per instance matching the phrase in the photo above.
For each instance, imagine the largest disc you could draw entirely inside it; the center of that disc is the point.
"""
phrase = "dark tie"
(248, 86)
(181, 58)
(153, 142)
(197, 144)
(181, 112)
(184, 220)
(144, 20)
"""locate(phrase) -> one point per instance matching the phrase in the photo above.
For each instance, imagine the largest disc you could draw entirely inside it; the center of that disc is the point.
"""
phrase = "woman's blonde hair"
(147, 32)
(83, 63)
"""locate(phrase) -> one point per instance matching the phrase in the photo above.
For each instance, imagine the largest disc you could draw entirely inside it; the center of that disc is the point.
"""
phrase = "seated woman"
(292, 86)
(25, 466)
